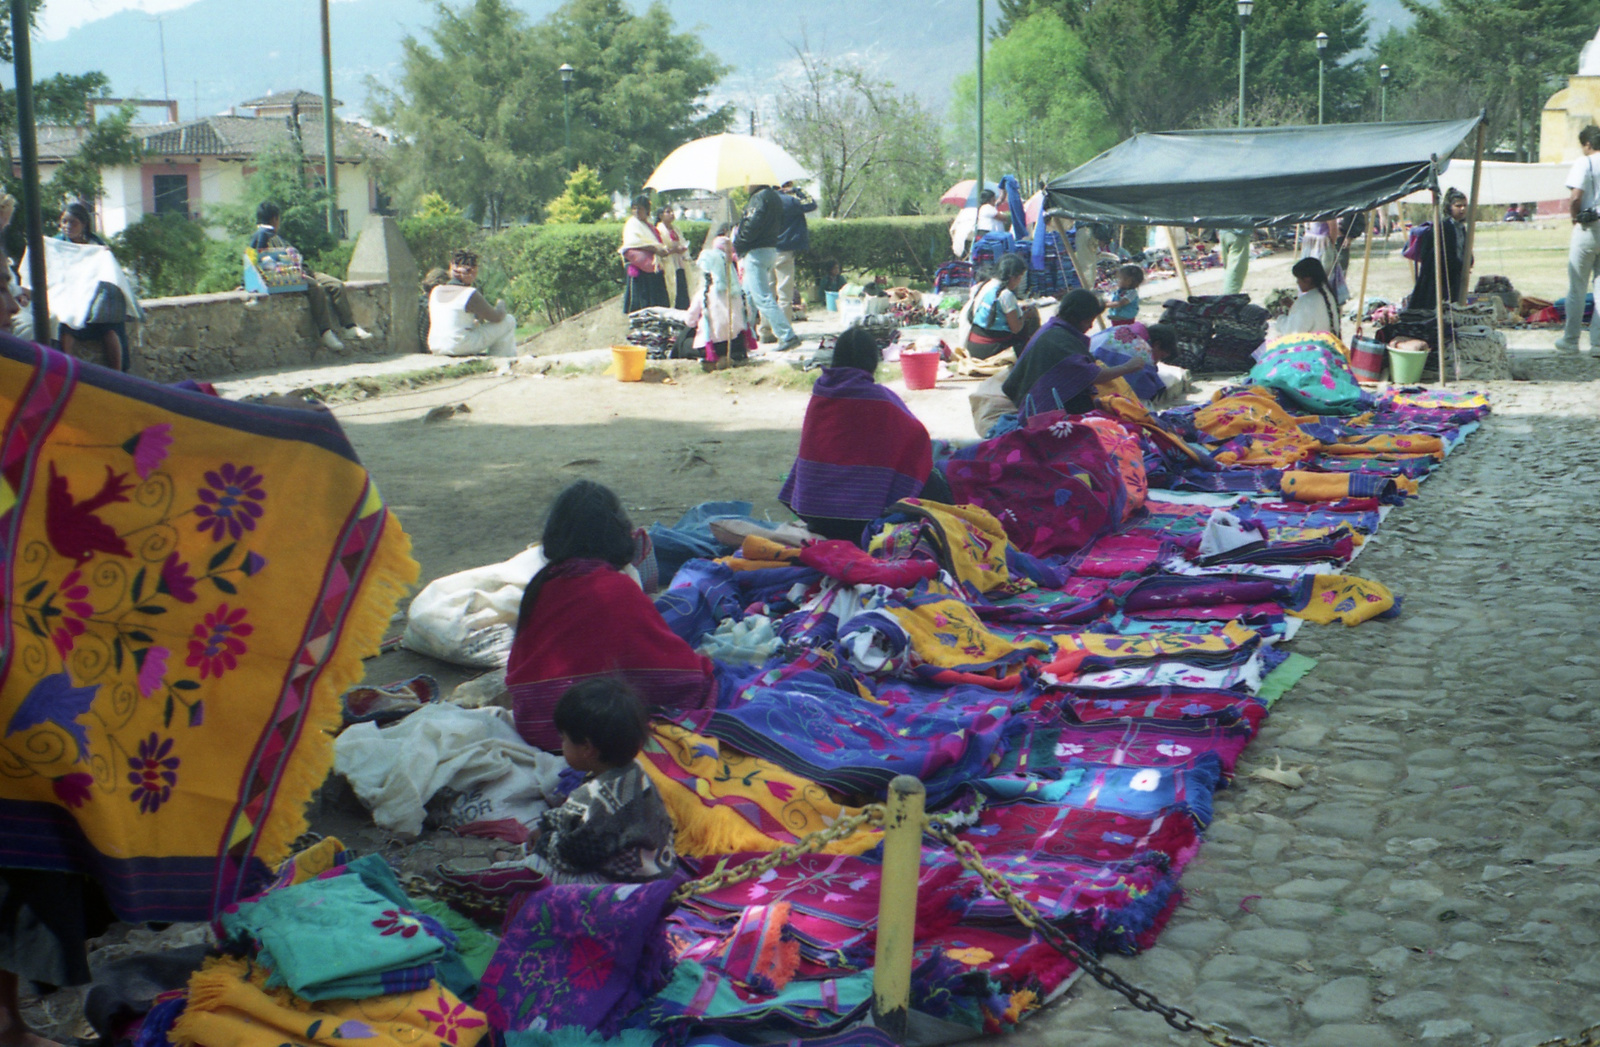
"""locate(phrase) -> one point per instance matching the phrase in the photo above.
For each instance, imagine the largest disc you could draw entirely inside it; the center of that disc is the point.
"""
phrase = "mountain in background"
(221, 52)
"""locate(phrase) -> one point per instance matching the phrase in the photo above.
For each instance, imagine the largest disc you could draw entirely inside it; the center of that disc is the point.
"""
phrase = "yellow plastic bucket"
(1405, 365)
(628, 362)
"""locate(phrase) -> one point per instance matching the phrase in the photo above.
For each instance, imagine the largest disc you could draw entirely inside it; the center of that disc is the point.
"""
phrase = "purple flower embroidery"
(149, 448)
(230, 503)
(218, 644)
(153, 773)
(72, 789)
(253, 563)
(176, 581)
(152, 671)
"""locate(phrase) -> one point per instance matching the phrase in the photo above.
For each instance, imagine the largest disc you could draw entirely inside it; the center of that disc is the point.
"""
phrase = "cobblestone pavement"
(1437, 877)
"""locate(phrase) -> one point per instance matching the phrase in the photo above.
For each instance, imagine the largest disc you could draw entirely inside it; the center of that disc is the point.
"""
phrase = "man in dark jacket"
(793, 238)
(757, 245)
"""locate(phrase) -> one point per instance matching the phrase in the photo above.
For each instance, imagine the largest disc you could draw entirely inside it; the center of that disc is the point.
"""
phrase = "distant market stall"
(1264, 176)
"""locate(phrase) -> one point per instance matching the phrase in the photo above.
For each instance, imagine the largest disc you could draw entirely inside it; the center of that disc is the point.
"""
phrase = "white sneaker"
(331, 340)
(359, 333)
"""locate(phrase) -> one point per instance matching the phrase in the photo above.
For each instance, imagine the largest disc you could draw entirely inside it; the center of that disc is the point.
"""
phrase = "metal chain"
(722, 876)
(1030, 917)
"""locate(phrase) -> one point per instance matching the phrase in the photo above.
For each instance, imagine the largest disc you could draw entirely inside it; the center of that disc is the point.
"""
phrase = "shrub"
(335, 260)
(167, 252)
(434, 236)
(911, 247)
(222, 267)
(584, 202)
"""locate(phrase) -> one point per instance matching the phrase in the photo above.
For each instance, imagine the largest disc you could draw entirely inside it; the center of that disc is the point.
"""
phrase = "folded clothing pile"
(656, 330)
(1216, 333)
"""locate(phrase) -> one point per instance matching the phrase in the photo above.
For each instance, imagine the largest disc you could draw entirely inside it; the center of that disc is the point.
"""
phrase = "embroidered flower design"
(1173, 749)
(153, 773)
(218, 644)
(253, 563)
(149, 448)
(393, 921)
(152, 671)
(589, 965)
(230, 503)
(75, 610)
(1145, 781)
(72, 789)
(1066, 749)
(451, 1020)
(176, 581)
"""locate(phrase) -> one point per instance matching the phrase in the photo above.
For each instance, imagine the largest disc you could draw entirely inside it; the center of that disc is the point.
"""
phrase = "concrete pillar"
(381, 254)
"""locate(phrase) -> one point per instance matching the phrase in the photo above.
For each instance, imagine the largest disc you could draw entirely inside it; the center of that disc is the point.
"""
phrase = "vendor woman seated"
(861, 448)
(998, 322)
(582, 618)
(1057, 371)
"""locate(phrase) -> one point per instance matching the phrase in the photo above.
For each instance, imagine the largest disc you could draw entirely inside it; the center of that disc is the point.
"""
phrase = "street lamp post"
(1322, 69)
(977, 187)
(566, 108)
(1383, 92)
(1244, 8)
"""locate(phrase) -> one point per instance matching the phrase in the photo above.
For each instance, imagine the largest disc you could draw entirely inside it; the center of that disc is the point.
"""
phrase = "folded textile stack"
(656, 329)
(1216, 333)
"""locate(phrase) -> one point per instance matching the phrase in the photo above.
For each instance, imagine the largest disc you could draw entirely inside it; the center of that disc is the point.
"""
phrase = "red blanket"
(589, 619)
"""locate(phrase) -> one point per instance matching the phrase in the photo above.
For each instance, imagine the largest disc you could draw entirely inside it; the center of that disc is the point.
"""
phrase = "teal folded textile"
(337, 938)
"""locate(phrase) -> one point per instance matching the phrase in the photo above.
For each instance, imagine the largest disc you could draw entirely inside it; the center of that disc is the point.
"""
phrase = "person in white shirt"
(461, 322)
(1583, 254)
(1316, 311)
(988, 216)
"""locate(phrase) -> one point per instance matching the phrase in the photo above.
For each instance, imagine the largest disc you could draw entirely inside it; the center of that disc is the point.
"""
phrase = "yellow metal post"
(897, 906)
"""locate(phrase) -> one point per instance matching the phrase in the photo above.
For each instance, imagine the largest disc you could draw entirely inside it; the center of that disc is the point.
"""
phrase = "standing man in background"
(1583, 253)
(757, 244)
(793, 238)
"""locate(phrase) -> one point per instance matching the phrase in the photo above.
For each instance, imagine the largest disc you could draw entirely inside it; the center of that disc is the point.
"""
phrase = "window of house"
(172, 194)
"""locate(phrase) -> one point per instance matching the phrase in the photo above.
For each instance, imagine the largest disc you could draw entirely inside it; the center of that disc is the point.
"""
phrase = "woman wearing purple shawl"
(1056, 372)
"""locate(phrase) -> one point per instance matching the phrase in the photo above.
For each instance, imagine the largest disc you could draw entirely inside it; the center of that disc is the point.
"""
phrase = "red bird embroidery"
(73, 529)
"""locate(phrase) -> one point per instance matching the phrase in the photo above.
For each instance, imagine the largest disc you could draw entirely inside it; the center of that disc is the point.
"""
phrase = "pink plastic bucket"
(921, 370)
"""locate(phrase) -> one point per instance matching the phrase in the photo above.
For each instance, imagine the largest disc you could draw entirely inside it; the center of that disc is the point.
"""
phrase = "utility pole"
(1244, 8)
(22, 63)
(330, 177)
(161, 35)
(977, 187)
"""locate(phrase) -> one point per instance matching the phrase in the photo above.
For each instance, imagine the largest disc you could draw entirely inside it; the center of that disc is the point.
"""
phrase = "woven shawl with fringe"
(190, 583)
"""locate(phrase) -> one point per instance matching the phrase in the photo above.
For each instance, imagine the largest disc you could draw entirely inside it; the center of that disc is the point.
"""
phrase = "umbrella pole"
(1439, 303)
(1177, 261)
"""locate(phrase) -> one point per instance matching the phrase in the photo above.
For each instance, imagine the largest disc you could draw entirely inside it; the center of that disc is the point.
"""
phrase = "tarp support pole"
(1177, 261)
(1366, 264)
(1472, 212)
(897, 906)
(1439, 303)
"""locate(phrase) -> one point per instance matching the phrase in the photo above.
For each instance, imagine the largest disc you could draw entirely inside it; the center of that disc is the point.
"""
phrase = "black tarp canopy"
(1256, 176)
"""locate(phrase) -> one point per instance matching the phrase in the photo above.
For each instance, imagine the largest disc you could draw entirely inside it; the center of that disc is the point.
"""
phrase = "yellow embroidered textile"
(1345, 598)
(945, 631)
(973, 542)
(1388, 445)
(1156, 645)
(723, 801)
(191, 583)
(229, 1006)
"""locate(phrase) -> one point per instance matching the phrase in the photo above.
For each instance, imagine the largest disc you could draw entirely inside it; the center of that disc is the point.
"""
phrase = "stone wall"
(210, 336)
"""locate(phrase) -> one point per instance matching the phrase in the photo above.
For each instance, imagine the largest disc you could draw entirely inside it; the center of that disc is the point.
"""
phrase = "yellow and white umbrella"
(723, 162)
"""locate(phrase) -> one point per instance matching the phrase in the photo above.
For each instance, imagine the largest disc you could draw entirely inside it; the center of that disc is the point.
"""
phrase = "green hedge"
(911, 247)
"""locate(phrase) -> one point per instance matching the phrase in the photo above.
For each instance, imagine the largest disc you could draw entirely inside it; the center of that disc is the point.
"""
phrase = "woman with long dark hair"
(1316, 311)
(77, 226)
(1424, 294)
(998, 321)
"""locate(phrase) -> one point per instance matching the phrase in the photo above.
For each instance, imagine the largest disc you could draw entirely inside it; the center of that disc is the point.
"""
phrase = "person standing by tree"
(677, 256)
(757, 243)
(1583, 252)
(793, 239)
(324, 293)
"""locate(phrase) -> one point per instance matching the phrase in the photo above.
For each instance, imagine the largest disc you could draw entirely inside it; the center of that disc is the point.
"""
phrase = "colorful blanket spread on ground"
(1080, 711)
(190, 583)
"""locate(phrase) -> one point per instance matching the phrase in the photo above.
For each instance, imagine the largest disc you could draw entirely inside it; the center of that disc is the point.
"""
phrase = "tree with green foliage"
(1504, 57)
(435, 230)
(479, 107)
(1041, 117)
(1164, 64)
(166, 251)
(874, 150)
(109, 143)
(584, 202)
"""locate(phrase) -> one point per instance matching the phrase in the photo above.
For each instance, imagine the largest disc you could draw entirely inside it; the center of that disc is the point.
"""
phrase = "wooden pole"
(1439, 303)
(1472, 211)
(1177, 261)
(330, 176)
(33, 217)
(897, 906)
(1366, 264)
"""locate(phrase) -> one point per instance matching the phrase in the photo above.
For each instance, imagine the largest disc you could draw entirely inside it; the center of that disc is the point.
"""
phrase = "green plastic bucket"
(1405, 365)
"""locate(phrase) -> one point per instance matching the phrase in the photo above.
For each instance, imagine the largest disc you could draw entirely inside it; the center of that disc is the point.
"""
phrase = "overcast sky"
(60, 17)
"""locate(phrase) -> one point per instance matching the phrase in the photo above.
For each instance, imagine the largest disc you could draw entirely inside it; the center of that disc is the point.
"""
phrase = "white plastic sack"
(1225, 532)
(470, 618)
(396, 770)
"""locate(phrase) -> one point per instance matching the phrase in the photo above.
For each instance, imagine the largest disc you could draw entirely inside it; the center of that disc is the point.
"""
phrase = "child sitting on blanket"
(613, 828)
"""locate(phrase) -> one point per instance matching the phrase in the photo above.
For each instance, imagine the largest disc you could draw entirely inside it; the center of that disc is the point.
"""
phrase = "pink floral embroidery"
(449, 1021)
